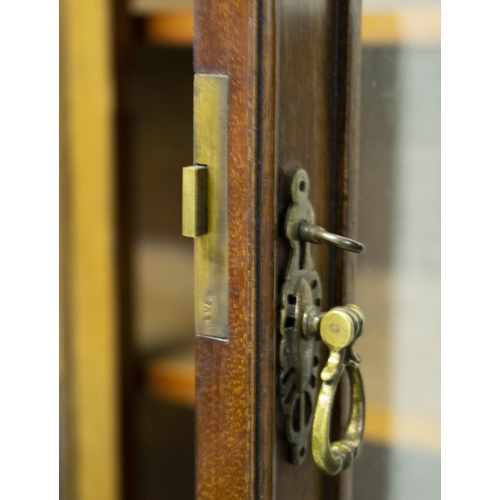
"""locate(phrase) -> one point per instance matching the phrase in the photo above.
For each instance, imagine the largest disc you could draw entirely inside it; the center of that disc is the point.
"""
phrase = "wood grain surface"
(225, 370)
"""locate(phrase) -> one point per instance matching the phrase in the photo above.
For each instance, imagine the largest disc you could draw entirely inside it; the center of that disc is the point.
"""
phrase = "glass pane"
(398, 278)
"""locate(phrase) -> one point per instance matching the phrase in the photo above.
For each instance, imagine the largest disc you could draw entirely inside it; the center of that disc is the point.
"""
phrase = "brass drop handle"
(339, 328)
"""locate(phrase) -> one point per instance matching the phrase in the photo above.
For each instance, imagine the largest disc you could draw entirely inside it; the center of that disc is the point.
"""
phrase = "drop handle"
(316, 234)
(339, 328)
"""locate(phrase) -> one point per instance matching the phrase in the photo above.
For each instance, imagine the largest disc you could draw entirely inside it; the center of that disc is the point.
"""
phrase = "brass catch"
(194, 201)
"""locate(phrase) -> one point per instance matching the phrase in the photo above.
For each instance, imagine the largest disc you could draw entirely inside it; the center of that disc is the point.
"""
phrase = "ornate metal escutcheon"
(301, 326)
(299, 361)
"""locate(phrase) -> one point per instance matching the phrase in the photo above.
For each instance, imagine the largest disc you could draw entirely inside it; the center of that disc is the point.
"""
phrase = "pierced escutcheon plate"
(299, 352)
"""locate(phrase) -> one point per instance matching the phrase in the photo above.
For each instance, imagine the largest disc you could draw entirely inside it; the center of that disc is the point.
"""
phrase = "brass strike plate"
(205, 208)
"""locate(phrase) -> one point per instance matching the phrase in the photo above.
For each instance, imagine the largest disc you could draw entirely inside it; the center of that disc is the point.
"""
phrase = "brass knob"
(339, 328)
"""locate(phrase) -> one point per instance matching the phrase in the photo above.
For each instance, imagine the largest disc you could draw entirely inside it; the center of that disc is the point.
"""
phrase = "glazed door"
(276, 98)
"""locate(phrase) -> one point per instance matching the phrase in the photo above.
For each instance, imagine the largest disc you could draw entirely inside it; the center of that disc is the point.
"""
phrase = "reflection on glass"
(398, 278)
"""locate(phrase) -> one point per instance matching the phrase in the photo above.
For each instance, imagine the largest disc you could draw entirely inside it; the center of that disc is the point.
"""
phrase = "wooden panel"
(302, 130)
(318, 63)
(90, 319)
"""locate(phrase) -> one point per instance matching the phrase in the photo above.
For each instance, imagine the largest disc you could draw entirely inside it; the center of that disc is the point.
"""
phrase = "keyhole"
(302, 252)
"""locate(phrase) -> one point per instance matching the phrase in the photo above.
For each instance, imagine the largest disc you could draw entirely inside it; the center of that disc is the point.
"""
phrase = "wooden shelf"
(413, 27)
(417, 27)
(174, 29)
(172, 379)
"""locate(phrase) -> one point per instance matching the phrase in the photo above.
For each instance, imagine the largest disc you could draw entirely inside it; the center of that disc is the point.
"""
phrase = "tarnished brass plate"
(211, 94)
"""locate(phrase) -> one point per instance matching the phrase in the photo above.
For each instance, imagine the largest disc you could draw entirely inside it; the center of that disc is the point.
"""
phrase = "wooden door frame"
(240, 442)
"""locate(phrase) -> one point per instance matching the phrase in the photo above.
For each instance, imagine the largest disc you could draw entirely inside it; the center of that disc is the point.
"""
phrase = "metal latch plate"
(205, 206)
